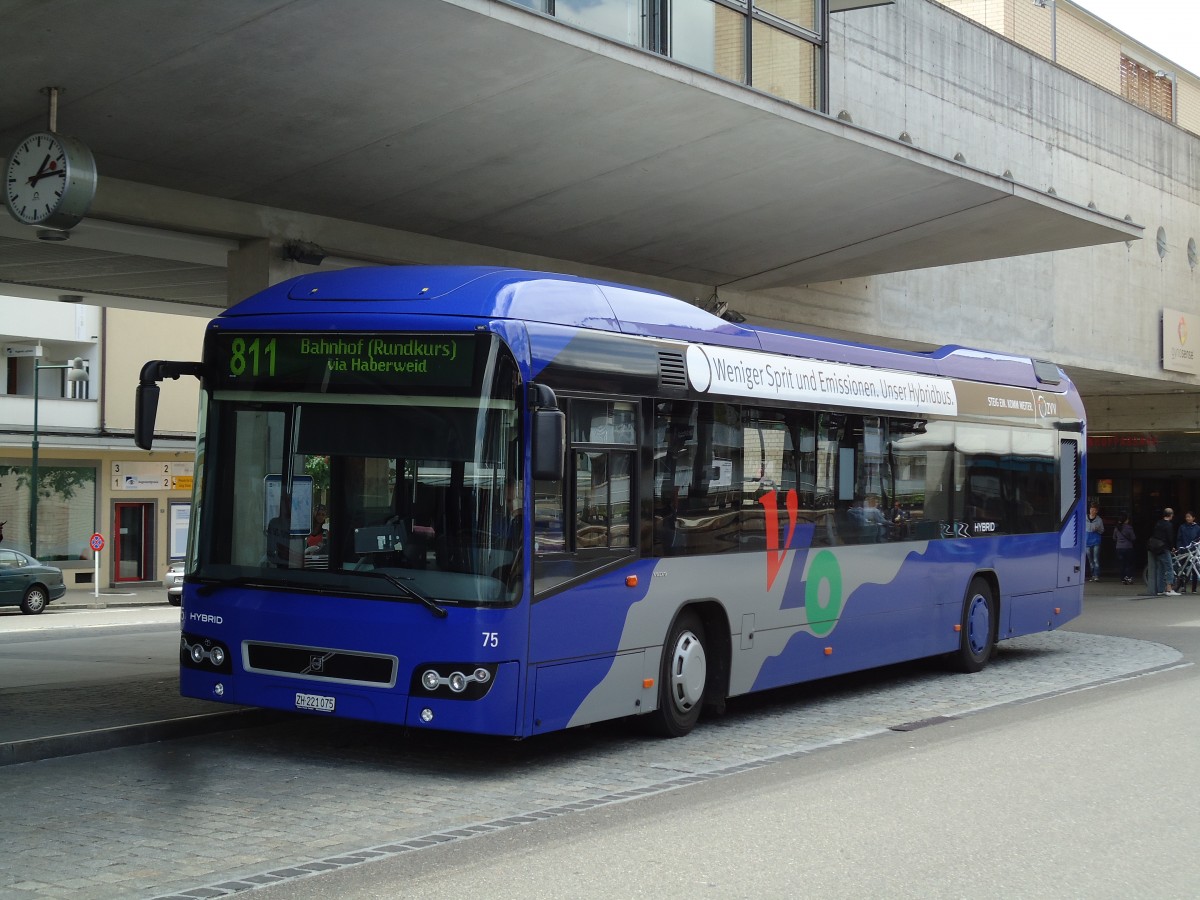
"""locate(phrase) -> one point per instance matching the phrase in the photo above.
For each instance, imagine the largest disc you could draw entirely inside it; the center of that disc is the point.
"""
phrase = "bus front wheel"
(978, 634)
(683, 676)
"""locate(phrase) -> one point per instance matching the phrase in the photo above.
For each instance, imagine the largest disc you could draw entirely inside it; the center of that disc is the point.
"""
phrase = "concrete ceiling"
(473, 122)
(485, 124)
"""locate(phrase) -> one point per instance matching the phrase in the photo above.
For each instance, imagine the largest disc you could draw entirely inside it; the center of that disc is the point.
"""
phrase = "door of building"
(131, 543)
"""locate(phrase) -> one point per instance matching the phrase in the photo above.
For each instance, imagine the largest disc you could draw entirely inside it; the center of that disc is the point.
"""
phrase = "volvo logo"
(316, 664)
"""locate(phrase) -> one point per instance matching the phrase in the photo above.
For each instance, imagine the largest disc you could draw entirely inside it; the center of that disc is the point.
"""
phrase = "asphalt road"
(1092, 793)
(73, 646)
(1089, 795)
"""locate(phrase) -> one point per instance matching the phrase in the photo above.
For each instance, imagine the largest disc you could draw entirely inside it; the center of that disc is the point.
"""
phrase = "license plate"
(315, 702)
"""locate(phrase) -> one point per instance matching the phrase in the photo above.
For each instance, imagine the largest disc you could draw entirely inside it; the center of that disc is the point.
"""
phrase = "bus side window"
(602, 494)
(548, 527)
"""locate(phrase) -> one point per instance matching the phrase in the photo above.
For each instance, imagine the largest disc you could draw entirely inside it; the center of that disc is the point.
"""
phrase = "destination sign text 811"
(343, 362)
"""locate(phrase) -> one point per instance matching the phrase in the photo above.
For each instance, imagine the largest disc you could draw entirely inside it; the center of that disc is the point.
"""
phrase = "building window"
(709, 36)
(622, 20)
(777, 46)
(66, 509)
(1153, 90)
(795, 12)
(785, 64)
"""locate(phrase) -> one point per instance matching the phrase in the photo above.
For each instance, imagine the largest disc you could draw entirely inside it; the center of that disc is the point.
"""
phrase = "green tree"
(62, 481)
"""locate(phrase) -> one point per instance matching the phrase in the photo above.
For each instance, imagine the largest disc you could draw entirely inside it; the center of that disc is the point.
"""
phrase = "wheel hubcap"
(36, 601)
(688, 672)
(979, 624)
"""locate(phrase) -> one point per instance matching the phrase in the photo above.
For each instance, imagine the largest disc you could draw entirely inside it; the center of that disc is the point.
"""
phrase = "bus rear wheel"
(978, 634)
(683, 677)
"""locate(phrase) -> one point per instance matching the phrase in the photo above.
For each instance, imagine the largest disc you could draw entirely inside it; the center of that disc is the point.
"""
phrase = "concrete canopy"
(484, 124)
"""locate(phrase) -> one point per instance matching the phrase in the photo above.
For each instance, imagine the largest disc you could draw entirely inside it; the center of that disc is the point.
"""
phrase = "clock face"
(50, 180)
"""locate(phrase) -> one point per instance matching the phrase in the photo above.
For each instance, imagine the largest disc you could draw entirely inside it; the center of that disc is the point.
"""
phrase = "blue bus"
(509, 502)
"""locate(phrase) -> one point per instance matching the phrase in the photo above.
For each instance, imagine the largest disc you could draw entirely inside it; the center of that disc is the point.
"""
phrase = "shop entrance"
(132, 551)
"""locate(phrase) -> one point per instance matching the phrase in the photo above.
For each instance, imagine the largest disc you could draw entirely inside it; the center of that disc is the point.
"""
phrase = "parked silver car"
(174, 582)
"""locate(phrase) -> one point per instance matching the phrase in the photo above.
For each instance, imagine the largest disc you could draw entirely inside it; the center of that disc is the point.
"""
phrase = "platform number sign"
(142, 475)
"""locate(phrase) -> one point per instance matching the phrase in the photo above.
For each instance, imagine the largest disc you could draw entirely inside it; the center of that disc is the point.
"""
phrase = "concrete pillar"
(257, 264)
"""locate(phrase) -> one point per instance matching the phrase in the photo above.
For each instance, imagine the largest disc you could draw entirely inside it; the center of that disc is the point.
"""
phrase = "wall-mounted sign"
(1180, 342)
(15, 351)
(141, 475)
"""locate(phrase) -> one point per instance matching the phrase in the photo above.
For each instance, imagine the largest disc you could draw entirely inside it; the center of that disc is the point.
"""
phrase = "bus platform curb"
(53, 746)
(111, 599)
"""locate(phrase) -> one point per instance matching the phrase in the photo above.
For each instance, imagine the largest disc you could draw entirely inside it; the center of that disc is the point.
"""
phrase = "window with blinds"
(1147, 88)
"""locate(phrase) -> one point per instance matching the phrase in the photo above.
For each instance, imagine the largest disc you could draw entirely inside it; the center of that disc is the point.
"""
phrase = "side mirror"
(549, 442)
(549, 434)
(145, 409)
(144, 415)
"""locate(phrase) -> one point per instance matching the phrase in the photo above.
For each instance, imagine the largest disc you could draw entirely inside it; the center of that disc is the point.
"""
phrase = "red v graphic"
(775, 556)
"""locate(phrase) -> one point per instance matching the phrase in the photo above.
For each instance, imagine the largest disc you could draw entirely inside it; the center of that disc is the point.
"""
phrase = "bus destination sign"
(343, 362)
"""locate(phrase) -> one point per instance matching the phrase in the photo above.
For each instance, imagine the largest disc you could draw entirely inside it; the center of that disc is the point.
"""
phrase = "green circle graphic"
(822, 618)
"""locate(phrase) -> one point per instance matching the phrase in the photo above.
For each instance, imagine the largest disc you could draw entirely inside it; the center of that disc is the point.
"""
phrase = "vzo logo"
(775, 556)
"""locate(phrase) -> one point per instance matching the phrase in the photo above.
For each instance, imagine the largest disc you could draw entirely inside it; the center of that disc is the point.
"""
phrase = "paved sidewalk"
(79, 718)
(107, 598)
(63, 720)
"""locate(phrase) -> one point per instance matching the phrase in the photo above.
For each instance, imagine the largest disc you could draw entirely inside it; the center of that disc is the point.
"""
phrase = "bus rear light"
(427, 715)
(957, 627)
(1058, 610)
(829, 651)
(631, 581)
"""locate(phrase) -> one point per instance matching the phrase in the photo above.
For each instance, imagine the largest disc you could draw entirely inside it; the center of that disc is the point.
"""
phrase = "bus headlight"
(453, 680)
(196, 652)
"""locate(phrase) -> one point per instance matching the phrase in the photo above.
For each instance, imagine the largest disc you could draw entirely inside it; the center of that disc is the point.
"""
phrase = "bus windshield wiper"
(410, 591)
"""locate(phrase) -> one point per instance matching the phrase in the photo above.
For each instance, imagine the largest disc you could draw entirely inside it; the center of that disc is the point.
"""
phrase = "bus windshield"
(397, 496)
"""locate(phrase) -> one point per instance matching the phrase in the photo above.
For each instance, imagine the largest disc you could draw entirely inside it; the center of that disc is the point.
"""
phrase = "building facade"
(1123, 315)
(90, 479)
(906, 173)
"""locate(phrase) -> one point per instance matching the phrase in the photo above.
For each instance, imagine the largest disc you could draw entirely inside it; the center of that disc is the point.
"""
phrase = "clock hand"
(38, 177)
(42, 168)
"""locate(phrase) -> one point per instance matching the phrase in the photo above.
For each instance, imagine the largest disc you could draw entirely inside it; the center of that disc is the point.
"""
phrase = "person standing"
(318, 536)
(1160, 544)
(1189, 534)
(1095, 531)
(1123, 537)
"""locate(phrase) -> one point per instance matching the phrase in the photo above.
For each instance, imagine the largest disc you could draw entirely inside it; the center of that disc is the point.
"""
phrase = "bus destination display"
(325, 362)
